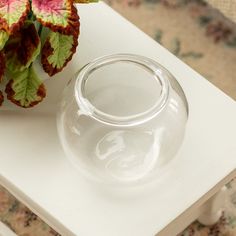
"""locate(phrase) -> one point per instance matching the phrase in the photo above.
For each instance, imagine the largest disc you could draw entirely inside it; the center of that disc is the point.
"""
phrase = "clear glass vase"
(122, 119)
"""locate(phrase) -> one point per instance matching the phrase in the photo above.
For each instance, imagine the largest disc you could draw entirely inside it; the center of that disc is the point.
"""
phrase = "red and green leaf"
(57, 52)
(1, 98)
(13, 13)
(25, 89)
(22, 48)
(2, 65)
(58, 15)
(3, 38)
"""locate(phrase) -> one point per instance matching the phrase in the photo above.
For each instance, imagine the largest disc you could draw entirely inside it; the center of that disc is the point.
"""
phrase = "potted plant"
(30, 29)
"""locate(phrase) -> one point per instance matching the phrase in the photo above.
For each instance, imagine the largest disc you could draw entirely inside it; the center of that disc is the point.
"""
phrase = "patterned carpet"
(204, 39)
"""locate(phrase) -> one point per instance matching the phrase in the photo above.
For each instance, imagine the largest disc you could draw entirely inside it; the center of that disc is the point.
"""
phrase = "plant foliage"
(21, 24)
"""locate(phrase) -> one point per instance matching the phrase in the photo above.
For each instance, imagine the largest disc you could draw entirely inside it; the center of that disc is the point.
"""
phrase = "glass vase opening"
(121, 90)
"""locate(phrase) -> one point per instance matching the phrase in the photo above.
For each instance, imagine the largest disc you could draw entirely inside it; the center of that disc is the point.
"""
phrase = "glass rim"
(87, 108)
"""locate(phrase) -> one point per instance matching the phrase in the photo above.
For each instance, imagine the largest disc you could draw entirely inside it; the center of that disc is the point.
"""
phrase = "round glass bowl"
(122, 118)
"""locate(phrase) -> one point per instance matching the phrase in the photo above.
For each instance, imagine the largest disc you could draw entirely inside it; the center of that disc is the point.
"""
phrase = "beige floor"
(180, 25)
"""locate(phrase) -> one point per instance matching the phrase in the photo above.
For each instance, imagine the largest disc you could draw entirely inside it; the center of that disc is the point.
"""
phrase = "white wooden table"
(34, 168)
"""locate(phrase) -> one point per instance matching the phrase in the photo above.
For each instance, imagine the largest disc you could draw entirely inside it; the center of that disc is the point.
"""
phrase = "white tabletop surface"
(34, 168)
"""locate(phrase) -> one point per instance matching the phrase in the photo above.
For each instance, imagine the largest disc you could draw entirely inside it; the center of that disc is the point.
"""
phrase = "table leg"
(213, 208)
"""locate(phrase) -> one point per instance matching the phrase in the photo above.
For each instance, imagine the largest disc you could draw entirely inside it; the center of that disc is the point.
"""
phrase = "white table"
(34, 168)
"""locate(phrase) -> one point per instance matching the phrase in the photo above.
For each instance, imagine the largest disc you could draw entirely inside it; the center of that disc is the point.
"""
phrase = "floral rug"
(198, 35)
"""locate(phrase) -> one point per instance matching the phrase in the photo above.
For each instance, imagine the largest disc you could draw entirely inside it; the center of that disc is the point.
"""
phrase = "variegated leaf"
(57, 52)
(25, 89)
(22, 48)
(58, 15)
(3, 38)
(2, 65)
(13, 13)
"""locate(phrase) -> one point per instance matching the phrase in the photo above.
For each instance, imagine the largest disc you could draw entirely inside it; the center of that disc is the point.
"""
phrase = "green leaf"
(13, 13)
(60, 16)
(25, 89)
(3, 38)
(22, 48)
(57, 52)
